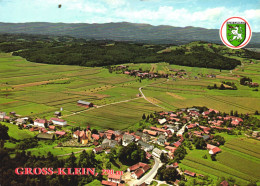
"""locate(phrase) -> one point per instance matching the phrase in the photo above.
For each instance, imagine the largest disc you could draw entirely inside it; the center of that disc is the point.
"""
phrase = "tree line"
(68, 51)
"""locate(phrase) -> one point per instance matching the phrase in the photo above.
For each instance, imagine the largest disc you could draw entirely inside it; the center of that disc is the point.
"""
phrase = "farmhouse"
(114, 178)
(97, 150)
(139, 169)
(2, 116)
(40, 122)
(84, 104)
(58, 121)
(214, 150)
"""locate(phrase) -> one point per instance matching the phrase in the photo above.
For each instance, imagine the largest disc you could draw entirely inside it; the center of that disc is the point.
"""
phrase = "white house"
(58, 121)
(157, 152)
(40, 122)
(162, 121)
(127, 139)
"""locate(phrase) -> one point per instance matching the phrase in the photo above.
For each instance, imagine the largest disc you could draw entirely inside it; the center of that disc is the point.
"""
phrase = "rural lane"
(140, 90)
(148, 178)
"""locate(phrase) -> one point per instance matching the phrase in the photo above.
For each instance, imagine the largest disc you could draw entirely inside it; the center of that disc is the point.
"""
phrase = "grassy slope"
(16, 133)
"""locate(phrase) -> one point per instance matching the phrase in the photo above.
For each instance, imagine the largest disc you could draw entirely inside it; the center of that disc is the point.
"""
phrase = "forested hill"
(71, 51)
(123, 31)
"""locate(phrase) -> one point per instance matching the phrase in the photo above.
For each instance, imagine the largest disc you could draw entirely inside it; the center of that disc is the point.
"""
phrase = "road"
(151, 174)
(140, 90)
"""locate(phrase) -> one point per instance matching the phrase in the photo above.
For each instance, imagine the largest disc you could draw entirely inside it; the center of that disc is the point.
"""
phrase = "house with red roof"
(40, 122)
(150, 132)
(115, 178)
(95, 137)
(189, 173)
(138, 173)
(104, 182)
(97, 150)
(175, 165)
(58, 121)
(224, 183)
(170, 148)
(214, 151)
(177, 144)
(60, 133)
(148, 155)
(51, 127)
(191, 126)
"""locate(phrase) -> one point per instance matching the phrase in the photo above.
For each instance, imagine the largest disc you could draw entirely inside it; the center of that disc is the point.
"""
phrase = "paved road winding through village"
(151, 174)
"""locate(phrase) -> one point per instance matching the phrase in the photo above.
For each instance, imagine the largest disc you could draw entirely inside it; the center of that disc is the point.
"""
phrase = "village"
(167, 133)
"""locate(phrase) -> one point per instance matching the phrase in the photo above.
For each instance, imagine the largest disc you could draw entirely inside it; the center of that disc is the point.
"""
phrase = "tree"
(200, 143)
(4, 132)
(222, 87)
(213, 157)
(143, 117)
(231, 113)
(94, 131)
(71, 161)
(170, 174)
(256, 112)
(220, 139)
(164, 158)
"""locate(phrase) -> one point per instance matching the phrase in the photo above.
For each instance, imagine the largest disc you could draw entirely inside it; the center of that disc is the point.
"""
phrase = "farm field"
(38, 90)
(238, 159)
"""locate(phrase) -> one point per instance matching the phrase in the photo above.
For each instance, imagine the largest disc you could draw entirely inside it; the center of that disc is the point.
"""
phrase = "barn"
(84, 104)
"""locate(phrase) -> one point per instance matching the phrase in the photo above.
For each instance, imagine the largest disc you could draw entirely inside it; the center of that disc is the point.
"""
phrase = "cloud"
(115, 3)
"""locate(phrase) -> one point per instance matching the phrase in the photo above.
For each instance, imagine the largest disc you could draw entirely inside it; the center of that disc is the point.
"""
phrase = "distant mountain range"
(122, 31)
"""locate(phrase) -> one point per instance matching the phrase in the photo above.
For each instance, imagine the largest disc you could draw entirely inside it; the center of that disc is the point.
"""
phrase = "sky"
(200, 13)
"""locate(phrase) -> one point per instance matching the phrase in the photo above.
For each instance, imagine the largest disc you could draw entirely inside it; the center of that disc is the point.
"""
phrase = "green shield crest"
(236, 33)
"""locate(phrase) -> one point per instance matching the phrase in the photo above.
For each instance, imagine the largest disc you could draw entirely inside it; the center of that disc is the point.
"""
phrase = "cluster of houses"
(154, 140)
(47, 128)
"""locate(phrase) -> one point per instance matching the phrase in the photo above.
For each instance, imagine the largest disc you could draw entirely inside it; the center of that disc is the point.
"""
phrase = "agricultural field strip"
(212, 171)
(243, 150)
(240, 164)
(241, 154)
(32, 74)
(229, 103)
(222, 168)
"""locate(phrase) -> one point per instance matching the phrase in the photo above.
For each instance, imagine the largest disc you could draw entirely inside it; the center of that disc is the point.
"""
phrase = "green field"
(243, 165)
(16, 133)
